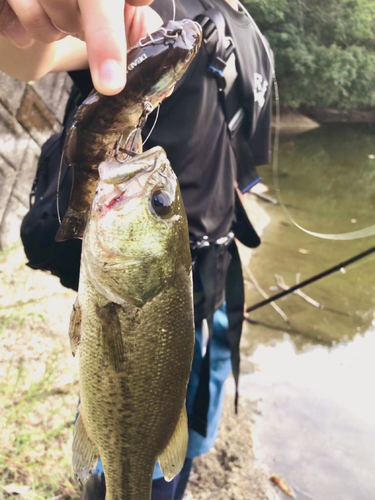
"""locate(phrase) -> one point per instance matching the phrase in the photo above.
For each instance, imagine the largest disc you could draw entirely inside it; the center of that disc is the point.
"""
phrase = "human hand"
(107, 26)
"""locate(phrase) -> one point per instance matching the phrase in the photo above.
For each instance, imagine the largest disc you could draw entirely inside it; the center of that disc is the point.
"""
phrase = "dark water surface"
(312, 378)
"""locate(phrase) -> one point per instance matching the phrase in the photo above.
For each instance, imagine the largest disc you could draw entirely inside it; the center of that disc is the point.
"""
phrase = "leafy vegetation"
(324, 50)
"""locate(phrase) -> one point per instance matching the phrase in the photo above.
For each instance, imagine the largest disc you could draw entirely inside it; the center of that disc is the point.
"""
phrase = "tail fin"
(72, 226)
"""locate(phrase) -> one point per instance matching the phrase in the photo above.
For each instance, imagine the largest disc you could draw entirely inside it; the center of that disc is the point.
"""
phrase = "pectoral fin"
(85, 454)
(112, 343)
(75, 327)
(173, 457)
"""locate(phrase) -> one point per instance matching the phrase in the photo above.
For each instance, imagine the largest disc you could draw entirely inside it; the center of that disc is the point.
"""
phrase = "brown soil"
(230, 470)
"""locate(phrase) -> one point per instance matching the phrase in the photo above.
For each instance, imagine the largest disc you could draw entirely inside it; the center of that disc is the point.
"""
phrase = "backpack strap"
(223, 66)
(213, 26)
(221, 51)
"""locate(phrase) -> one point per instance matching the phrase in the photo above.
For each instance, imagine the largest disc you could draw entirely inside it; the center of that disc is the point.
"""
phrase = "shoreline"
(305, 118)
(231, 471)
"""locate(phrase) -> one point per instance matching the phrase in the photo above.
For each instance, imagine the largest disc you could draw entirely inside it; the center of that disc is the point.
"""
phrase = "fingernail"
(17, 34)
(112, 76)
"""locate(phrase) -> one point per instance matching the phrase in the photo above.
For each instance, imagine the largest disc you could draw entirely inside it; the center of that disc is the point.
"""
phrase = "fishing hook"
(167, 35)
(133, 137)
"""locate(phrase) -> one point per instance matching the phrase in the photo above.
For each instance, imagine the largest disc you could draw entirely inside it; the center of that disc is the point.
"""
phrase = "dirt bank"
(293, 122)
(230, 471)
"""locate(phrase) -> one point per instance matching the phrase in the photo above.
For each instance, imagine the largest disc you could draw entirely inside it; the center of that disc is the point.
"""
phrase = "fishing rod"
(317, 277)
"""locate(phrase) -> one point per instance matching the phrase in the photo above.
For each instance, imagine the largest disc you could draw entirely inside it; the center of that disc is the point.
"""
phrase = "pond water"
(310, 378)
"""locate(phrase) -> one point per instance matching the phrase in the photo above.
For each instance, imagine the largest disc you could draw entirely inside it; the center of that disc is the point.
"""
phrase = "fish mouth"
(116, 195)
(133, 190)
(124, 182)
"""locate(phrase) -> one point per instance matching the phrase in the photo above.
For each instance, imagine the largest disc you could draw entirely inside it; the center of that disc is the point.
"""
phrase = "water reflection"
(316, 416)
(326, 176)
(311, 376)
(331, 183)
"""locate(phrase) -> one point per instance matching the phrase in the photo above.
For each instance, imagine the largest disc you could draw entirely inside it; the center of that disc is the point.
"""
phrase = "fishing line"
(352, 235)
(153, 126)
(276, 149)
(174, 10)
(58, 190)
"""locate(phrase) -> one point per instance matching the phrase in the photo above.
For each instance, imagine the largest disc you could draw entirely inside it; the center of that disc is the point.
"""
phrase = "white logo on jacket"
(260, 89)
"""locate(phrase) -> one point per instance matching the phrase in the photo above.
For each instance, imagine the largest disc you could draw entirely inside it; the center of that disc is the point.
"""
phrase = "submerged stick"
(283, 286)
(264, 295)
(319, 276)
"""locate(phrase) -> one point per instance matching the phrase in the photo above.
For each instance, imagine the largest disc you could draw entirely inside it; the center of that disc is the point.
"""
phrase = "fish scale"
(136, 389)
(134, 330)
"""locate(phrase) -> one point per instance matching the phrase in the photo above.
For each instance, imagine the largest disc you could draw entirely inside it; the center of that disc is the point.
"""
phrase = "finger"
(104, 29)
(11, 28)
(35, 21)
(64, 14)
(139, 3)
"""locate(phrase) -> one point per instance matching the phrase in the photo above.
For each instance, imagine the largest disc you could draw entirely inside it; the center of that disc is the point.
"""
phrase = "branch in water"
(255, 283)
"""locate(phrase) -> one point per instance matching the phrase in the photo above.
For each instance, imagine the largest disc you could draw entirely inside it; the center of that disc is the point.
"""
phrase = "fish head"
(159, 60)
(137, 236)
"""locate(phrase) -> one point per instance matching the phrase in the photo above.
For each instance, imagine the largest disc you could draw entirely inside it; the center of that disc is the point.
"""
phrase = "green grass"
(36, 424)
(7, 321)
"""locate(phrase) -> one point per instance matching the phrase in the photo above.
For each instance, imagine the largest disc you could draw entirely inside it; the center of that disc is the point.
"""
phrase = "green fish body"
(133, 328)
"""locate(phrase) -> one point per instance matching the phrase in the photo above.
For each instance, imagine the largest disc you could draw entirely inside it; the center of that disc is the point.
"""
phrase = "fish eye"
(161, 202)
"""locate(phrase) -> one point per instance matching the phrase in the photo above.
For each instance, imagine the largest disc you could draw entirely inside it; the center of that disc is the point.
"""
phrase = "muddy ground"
(230, 470)
(40, 380)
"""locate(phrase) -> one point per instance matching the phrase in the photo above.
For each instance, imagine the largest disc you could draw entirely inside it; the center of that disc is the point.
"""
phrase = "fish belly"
(134, 368)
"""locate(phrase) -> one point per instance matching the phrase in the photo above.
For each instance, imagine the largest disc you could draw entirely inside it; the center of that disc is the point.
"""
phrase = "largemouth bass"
(133, 326)
(155, 65)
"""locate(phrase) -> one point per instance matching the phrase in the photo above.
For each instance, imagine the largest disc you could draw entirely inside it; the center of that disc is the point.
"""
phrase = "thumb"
(104, 31)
